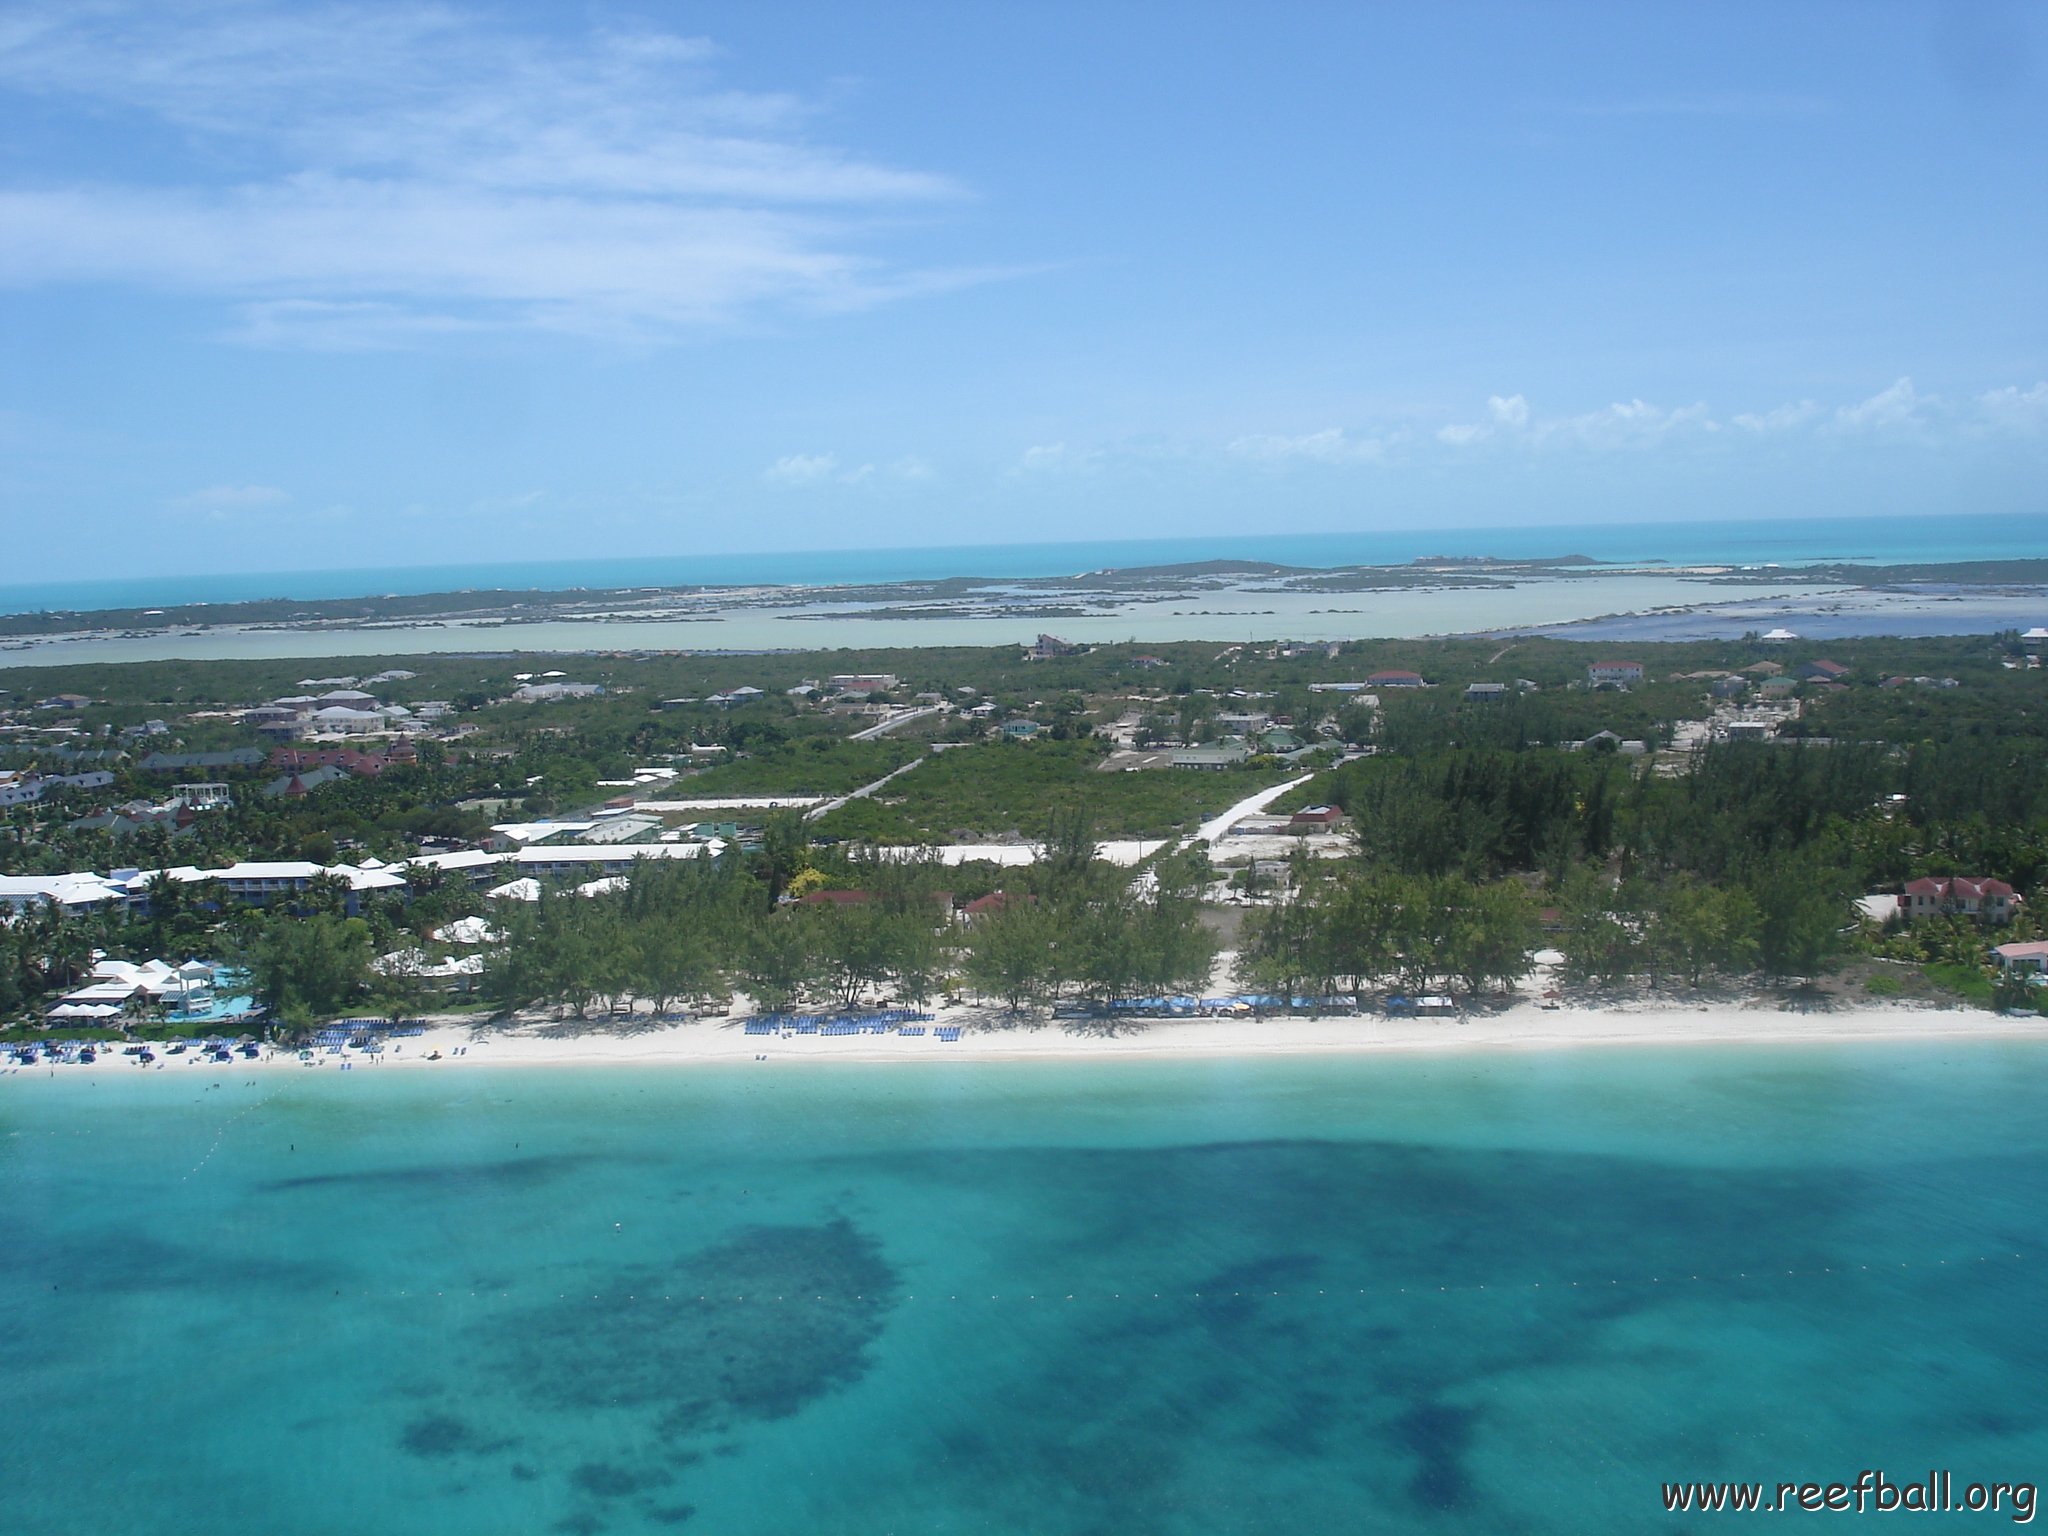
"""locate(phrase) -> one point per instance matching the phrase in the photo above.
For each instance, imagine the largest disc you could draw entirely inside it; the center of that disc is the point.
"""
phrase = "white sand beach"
(991, 1034)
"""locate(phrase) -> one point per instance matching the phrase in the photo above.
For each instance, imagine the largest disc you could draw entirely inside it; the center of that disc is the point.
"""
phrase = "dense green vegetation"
(996, 788)
(683, 934)
(809, 765)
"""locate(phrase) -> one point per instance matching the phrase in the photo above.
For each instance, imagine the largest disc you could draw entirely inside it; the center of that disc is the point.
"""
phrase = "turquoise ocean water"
(1510, 1293)
(1785, 541)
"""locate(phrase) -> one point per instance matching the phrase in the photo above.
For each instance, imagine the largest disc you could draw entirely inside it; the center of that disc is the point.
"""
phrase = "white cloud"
(356, 177)
(2014, 409)
(1505, 413)
(1625, 424)
(807, 469)
(802, 469)
(1333, 445)
(1899, 405)
(1783, 418)
(231, 498)
(1508, 411)
(1511, 424)
(1628, 423)
(1059, 459)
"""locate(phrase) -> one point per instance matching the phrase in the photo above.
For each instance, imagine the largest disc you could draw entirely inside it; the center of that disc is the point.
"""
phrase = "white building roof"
(533, 858)
(66, 890)
(468, 930)
(461, 858)
(368, 879)
(529, 831)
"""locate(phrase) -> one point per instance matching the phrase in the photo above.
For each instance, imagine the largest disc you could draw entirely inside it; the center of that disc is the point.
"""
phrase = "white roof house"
(254, 878)
(582, 859)
(531, 831)
(412, 962)
(468, 930)
(340, 717)
(461, 860)
(21, 893)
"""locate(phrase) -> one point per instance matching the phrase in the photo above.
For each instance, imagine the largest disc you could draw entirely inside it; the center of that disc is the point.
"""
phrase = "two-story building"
(1991, 901)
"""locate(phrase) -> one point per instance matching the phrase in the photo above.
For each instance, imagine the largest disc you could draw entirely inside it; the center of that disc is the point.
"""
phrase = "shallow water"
(1509, 1293)
(1231, 614)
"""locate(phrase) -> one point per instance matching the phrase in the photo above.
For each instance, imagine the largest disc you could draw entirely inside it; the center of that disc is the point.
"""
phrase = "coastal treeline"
(675, 934)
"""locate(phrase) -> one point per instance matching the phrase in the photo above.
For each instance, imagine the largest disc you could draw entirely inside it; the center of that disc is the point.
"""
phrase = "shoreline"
(1519, 1029)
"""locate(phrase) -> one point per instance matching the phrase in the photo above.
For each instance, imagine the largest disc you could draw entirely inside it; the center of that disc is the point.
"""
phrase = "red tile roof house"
(1822, 671)
(1314, 817)
(1991, 900)
(2021, 959)
(1611, 671)
(994, 901)
(362, 764)
(1397, 680)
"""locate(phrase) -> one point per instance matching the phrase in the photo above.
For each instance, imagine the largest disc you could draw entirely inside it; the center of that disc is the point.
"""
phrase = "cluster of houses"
(339, 712)
(1985, 899)
(301, 770)
(264, 883)
(1051, 648)
(28, 787)
(551, 688)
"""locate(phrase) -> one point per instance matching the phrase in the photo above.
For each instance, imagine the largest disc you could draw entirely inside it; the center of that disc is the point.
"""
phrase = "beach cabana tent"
(85, 1011)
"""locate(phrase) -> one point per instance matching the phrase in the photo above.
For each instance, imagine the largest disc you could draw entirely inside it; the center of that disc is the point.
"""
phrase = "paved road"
(1251, 805)
(864, 791)
(893, 721)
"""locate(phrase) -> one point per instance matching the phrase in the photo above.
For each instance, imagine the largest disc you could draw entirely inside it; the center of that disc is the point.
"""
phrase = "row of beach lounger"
(359, 1032)
(896, 1021)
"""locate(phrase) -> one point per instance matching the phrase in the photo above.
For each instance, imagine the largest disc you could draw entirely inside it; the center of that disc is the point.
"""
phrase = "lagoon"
(1509, 1290)
(815, 621)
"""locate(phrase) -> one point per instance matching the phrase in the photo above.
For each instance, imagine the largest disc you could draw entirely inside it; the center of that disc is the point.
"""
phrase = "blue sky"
(302, 286)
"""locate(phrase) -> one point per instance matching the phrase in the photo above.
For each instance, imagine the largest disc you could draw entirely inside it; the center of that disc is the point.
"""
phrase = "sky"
(306, 286)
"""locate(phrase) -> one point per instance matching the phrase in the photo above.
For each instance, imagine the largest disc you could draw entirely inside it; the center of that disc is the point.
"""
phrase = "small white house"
(2029, 959)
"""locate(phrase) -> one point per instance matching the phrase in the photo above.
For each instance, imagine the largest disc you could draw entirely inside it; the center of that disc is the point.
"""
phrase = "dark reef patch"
(112, 1261)
(605, 1480)
(450, 1178)
(1439, 1437)
(697, 1367)
(441, 1434)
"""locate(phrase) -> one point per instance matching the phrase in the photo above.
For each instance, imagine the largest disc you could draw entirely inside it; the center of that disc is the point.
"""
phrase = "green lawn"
(1000, 787)
(814, 765)
(1966, 981)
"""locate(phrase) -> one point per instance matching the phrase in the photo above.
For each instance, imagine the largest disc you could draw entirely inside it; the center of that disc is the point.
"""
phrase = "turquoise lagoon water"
(1781, 540)
(1509, 1293)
